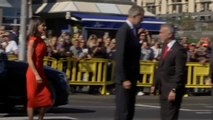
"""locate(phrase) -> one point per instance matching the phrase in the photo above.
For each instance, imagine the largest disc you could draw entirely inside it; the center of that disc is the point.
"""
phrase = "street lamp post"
(22, 35)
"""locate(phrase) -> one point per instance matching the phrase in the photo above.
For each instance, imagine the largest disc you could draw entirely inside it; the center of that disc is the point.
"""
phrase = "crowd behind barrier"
(89, 61)
(100, 72)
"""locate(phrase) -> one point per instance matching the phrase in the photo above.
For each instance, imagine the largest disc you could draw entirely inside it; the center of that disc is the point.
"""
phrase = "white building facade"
(172, 8)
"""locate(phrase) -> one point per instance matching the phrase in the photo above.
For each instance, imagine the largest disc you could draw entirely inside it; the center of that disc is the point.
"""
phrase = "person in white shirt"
(157, 50)
(10, 46)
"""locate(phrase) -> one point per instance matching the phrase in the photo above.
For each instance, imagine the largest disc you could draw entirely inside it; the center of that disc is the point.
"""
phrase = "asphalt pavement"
(98, 107)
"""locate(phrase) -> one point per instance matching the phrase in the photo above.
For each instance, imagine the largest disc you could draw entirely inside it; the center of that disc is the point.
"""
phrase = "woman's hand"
(38, 79)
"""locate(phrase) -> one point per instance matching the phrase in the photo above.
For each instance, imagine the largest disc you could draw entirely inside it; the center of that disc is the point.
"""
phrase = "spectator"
(99, 50)
(9, 46)
(156, 50)
(52, 46)
(85, 53)
(203, 41)
(191, 53)
(75, 36)
(203, 53)
(92, 41)
(2, 29)
(67, 41)
(106, 35)
(107, 42)
(146, 52)
(111, 49)
(75, 49)
(14, 34)
(60, 46)
(144, 36)
(153, 41)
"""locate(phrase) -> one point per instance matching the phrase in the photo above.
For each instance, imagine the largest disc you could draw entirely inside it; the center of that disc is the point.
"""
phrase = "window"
(151, 7)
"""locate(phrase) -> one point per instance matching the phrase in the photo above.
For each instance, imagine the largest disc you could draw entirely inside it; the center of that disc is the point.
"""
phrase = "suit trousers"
(170, 110)
(125, 102)
(212, 102)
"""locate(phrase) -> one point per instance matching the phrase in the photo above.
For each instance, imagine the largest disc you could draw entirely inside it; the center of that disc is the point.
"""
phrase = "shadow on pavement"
(17, 112)
(69, 110)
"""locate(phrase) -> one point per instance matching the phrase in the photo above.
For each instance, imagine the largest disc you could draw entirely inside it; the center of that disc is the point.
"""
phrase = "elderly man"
(127, 64)
(211, 71)
(170, 76)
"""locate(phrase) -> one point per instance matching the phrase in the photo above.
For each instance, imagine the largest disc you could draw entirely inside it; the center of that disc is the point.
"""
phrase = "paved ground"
(96, 107)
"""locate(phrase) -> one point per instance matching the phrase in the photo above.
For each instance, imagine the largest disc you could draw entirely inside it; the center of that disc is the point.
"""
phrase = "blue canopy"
(103, 21)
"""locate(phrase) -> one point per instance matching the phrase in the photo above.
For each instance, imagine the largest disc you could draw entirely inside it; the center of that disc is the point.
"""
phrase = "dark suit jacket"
(127, 55)
(3, 60)
(211, 65)
(171, 72)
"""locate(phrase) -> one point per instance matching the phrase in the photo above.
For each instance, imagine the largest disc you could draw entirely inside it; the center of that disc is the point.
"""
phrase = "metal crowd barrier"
(92, 72)
(100, 72)
(12, 57)
(198, 75)
(50, 61)
(147, 69)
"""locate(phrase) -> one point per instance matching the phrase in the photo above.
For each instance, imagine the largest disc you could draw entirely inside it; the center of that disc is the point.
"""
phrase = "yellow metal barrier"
(50, 61)
(197, 75)
(147, 69)
(68, 66)
(87, 71)
(12, 57)
(100, 72)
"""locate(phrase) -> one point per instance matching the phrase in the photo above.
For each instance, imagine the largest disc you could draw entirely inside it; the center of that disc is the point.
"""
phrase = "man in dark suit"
(211, 65)
(170, 76)
(211, 73)
(127, 64)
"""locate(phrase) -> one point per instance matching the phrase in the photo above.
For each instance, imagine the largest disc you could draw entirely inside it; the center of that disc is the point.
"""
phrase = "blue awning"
(100, 21)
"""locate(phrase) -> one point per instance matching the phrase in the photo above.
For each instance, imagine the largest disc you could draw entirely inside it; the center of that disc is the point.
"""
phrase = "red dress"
(38, 95)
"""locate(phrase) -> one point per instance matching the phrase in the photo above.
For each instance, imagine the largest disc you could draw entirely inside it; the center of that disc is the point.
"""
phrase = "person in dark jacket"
(211, 72)
(170, 78)
(127, 64)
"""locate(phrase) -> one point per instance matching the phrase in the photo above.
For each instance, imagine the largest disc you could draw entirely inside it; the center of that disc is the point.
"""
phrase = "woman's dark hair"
(33, 25)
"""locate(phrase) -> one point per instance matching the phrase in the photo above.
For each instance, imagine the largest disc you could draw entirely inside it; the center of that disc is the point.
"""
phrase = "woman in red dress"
(38, 93)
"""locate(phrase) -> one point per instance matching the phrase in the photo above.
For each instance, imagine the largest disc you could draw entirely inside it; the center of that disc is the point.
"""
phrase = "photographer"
(85, 53)
(99, 50)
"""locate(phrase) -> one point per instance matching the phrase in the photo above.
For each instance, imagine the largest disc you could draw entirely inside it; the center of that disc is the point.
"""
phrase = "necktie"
(134, 31)
(165, 51)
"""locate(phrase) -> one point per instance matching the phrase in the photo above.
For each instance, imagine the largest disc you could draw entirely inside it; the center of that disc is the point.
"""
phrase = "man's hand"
(127, 84)
(152, 90)
(203, 62)
(171, 96)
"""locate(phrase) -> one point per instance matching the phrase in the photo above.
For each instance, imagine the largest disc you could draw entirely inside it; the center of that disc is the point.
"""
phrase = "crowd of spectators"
(78, 47)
